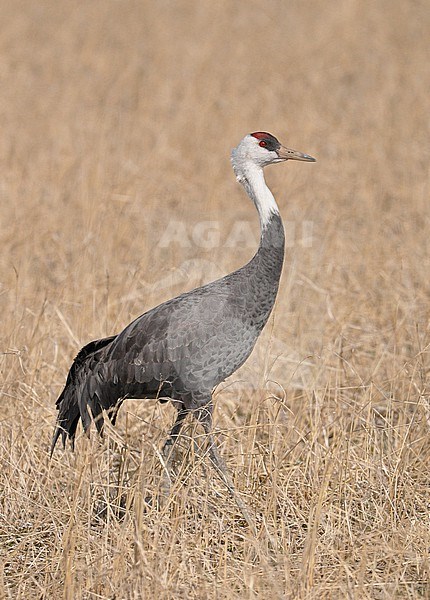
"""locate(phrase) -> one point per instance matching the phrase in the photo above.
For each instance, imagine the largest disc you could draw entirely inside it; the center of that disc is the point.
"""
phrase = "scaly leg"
(204, 416)
(167, 450)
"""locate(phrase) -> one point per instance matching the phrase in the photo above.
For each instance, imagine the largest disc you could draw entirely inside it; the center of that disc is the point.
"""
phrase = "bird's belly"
(218, 358)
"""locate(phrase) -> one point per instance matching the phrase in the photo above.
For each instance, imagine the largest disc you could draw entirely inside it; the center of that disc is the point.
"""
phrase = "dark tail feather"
(71, 404)
(55, 437)
(68, 418)
(71, 410)
(97, 413)
(113, 412)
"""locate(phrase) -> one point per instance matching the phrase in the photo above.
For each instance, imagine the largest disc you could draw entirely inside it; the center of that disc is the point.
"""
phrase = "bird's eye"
(263, 144)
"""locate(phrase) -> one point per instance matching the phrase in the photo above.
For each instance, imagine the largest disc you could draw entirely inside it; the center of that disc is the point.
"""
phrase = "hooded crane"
(182, 349)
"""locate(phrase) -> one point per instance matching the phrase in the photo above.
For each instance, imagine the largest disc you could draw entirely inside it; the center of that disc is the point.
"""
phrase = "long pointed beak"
(290, 154)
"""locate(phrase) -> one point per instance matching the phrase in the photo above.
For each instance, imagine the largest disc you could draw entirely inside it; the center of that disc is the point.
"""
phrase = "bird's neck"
(252, 178)
(272, 231)
(266, 266)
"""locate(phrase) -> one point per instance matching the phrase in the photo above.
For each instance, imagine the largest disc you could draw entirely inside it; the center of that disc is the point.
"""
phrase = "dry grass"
(117, 118)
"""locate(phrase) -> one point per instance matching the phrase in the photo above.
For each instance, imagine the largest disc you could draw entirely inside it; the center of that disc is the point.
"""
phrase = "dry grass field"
(116, 191)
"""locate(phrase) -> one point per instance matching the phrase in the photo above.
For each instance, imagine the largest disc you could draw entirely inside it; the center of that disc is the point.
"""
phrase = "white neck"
(251, 176)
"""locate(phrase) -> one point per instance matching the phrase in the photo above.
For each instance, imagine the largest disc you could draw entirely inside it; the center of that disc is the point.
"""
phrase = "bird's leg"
(204, 417)
(174, 433)
(168, 448)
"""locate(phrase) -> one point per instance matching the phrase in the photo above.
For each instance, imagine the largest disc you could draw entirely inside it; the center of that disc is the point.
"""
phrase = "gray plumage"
(182, 349)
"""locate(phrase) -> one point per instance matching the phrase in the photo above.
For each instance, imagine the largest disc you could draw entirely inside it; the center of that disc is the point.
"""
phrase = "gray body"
(180, 350)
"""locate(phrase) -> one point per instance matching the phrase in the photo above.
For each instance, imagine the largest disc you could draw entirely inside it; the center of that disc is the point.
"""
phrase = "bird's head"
(261, 149)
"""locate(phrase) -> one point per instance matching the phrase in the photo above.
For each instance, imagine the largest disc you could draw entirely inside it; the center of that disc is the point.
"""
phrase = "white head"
(254, 152)
(260, 149)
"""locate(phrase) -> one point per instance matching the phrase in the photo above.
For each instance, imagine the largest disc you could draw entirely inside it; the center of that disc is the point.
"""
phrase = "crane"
(182, 349)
